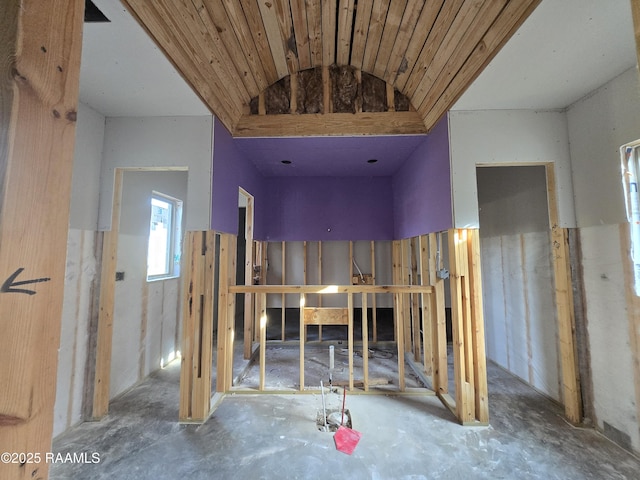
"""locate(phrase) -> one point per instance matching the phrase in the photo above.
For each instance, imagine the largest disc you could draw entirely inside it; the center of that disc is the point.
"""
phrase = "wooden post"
(415, 308)
(374, 318)
(406, 297)
(439, 325)
(40, 44)
(427, 311)
(197, 330)
(263, 338)
(350, 338)
(564, 306)
(396, 269)
(284, 297)
(249, 319)
(226, 312)
(465, 408)
(302, 301)
(365, 343)
(102, 379)
(477, 328)
(319, 283)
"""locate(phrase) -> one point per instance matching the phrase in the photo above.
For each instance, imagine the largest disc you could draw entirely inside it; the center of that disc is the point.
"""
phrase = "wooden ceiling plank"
(389, 35)
(509, 20)
(403, 58)
(434, 40)
(376, 27)
(253, 19)
(299, 18)
(152, 21)
(408, 24)
(206, 46)
(345, 25)
(314, 23)
(283, 14)
(440, 73)
(240, 26)
(329, 8)
(360, 32)
(208, 10)
(272, 28)
(460, 35)
(330, 124)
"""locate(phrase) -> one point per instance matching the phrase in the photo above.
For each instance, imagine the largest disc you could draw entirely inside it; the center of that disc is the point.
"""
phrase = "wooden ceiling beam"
(329, 8)
(439, 74)
(251, 13)
(345, 25)
(360, 32)
(376, 27)
(208, 10)
(209, 90)
(439, 30)
(405, 31)
(330, 124)
(509, 20)
(314, 24)
(460, 30)
(299, 18)
(403, 60)
(389, 35)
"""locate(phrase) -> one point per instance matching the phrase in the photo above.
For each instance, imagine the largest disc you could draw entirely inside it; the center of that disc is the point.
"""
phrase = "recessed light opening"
(373, 160)
(286, 162)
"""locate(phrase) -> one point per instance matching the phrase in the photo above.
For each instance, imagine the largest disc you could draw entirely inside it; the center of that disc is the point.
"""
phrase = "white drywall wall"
(182, 143)
(599, 125)
(494, 137)
(80, 286)
(146, 314)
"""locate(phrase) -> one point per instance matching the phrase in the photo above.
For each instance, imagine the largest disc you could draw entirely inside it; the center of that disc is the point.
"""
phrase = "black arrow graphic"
(7, 286)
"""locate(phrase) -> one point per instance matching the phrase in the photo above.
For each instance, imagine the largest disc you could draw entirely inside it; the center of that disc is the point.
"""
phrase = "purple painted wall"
(422, 187)
(328, 208)
(414, 200)
(232, 170)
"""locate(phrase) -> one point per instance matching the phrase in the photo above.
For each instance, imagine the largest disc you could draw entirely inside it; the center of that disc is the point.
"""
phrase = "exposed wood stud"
(263, 338)
(564, 305)
(293, 98)
(389, 34)
(329, 10)
(439, 327)
(376, 27)
(412, 14)
(426, 307)
(273, 33)
(374, 337)
(361, 30)
(249, 318)
(302, 327)
(299, 18)
(365, 342)
(414, 300)
(350, 338)
(284, 297)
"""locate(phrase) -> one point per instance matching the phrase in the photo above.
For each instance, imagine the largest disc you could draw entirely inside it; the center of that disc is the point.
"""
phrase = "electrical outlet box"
(364, 279)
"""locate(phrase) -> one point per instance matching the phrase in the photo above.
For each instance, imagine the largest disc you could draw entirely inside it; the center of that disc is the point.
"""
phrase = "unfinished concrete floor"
(275, 436)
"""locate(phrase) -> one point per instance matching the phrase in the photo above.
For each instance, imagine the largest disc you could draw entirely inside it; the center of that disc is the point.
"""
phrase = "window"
(630, 179)
(165, 229)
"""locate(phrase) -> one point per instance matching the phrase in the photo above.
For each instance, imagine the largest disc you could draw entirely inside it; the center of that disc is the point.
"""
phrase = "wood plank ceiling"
(231, 50)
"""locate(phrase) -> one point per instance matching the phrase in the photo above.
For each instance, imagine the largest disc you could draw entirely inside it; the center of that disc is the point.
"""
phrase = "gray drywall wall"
(86, 169)
(82, 270)
(146, 314)
(160, 143)
(599, 125)
(507, 137)
(517, 274)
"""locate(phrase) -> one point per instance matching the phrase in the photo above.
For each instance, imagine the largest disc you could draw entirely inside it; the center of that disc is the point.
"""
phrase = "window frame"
(174, 235)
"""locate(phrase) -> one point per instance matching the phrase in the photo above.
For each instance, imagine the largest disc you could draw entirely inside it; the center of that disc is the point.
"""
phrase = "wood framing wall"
(40, 45)
(419, 318)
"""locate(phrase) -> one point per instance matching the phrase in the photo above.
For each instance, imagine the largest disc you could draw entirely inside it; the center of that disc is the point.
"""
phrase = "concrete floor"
(275, 436)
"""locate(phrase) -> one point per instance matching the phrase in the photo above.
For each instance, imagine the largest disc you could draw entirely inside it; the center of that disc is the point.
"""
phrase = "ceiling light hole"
(372, 160)
(285, 162)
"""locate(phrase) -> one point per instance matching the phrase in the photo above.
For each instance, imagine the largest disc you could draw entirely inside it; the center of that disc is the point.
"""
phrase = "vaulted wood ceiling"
(230, 51)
